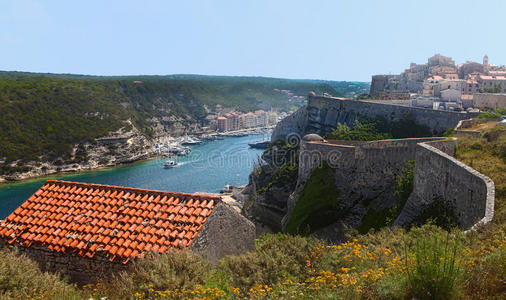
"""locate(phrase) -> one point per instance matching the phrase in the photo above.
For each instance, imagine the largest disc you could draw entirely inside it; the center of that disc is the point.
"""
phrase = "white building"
(452, 95)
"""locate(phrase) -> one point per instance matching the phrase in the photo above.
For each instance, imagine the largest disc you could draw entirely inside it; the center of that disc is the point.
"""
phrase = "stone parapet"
(365, 173)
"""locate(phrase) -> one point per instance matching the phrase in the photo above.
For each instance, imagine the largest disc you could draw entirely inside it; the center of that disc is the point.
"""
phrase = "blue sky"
(334, 40)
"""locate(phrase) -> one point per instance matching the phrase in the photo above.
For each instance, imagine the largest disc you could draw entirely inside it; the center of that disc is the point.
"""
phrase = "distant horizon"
(187, 74)
(321, 40)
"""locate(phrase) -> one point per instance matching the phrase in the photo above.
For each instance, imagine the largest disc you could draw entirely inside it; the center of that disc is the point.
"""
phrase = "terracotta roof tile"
(123, 222)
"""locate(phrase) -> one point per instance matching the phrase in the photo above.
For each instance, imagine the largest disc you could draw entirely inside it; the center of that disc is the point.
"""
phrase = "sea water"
(208, 168)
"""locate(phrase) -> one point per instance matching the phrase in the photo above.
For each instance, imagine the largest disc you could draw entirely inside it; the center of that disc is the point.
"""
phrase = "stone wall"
(463, 124)
(467, 192)
(491, 101)
(325, 112)
(364, 172)
(82, 270)
(322, 114)
(293, 124)
(226, 232)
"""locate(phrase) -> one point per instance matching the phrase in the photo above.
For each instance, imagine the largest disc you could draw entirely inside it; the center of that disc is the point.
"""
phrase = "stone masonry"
(323, 113)
(365, 174)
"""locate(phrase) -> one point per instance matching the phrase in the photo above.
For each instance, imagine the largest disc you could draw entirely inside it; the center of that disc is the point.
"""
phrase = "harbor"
(207, 167)
(181, 146)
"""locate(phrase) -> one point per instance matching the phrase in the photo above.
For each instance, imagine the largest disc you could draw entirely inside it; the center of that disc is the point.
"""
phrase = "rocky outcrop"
(294, 124)
(119, 147)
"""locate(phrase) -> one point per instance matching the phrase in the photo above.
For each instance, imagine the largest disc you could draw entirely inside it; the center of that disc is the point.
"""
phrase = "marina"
(208, 167)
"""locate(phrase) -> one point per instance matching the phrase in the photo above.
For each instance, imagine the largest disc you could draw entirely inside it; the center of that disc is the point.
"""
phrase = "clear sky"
(334, 40)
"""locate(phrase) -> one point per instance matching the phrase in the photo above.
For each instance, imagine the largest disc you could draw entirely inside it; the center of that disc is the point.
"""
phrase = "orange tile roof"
(118, 222)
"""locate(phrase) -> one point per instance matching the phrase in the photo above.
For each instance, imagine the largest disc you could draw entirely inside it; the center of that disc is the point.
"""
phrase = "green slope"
(48, 113)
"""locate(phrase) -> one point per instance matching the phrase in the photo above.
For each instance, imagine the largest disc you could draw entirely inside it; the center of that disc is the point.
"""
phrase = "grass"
(487, 155)
(318, 202)
(494, 114)
(425, 262)
(435, 270)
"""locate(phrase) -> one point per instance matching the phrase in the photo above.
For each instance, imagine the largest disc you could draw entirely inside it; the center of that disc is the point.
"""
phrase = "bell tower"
(485, 63)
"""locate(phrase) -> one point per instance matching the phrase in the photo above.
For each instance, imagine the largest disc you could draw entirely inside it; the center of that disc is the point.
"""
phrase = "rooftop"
(117, 222)
(485, 77)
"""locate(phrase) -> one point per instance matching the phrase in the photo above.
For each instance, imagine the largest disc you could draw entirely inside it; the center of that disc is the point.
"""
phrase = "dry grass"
(21, 278)
(487, 155)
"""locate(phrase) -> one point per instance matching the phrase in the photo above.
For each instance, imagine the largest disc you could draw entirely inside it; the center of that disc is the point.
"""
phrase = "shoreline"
(153, 156)
(70, 173)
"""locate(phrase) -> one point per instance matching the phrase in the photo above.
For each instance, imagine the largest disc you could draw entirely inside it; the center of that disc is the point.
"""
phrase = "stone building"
(489, 101)
(493, 83)
(89, 229)
(450, 94)
(412, 79)
(471, 77)
(222, 124)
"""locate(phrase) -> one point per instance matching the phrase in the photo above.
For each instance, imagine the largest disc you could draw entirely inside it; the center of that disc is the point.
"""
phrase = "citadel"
(441, 84)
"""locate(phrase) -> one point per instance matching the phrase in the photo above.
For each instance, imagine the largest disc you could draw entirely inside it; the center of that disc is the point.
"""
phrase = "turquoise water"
(208, 168)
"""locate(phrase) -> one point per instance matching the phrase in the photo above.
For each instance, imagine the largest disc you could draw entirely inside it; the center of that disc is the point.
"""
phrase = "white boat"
(170, 164)
(190, 141)
(227, 189)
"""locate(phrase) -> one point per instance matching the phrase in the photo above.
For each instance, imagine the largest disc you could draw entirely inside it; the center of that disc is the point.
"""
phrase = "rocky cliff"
(123, 146)
(119, 147)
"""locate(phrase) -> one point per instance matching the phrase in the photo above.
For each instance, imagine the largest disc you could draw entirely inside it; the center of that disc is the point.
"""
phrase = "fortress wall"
(313, 154)
(488, 100)
(293, 124)
(325, 112)
(364, 172)
(469, 193)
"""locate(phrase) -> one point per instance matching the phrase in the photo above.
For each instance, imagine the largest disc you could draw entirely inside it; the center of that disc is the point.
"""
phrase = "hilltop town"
(441, 84)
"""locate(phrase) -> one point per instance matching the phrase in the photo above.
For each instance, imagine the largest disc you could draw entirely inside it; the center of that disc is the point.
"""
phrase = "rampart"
(323, 113)
(439, 176)
(491, 101)
(365, 174)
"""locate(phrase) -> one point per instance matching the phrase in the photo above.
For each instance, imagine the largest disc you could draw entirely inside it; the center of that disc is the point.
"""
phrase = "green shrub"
(174, 270)
(433, 267)
(449, 132)
(21, 278)
(276, 257)
(361, 132)
(486, 278)
(494, 114)
(318, 205)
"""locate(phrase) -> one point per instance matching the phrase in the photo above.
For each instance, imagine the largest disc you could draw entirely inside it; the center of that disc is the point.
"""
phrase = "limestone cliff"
(123, 146)
(120, 147)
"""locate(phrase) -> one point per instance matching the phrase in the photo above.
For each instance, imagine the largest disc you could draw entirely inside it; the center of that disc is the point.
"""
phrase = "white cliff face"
(118, 148)
(294, 124)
